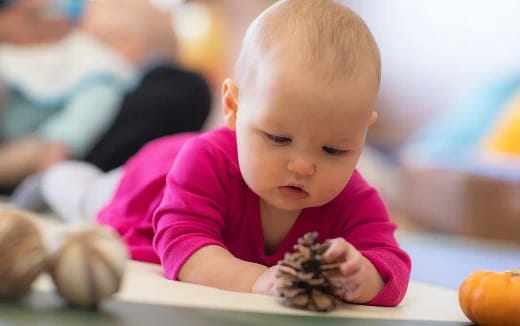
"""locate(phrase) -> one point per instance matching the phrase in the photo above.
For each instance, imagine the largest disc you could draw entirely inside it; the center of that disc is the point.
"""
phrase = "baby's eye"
(278, 139)
(333, 151)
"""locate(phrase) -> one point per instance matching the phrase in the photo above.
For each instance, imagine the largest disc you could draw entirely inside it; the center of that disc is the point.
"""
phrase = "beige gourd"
(22, 254)
(88, 267)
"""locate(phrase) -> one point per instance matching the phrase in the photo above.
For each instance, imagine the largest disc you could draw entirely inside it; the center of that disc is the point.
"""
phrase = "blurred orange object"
(504, 138)
(202, 35)
(491, 299)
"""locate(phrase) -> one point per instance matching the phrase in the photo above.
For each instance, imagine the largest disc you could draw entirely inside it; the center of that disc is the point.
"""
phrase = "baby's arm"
(86, 115)
(215, 266)
(25, 156)
(192, 218)
(18, 159)
(368, 229)
(52, 153)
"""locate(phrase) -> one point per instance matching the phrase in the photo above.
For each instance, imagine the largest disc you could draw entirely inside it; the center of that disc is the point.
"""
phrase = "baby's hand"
(267, 283)
(52, 153)
(357, 276)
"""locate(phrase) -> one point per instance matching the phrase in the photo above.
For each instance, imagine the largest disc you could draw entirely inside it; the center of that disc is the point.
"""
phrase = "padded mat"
(46, 309)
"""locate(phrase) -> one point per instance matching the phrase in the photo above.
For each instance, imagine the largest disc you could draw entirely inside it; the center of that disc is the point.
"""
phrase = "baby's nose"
(301, 166)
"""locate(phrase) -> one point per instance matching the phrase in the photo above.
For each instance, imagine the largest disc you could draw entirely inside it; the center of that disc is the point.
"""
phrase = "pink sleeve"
(370, 230)
(191, 213)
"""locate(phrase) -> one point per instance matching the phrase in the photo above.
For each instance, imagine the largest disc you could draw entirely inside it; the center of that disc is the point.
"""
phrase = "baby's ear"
(230, 102)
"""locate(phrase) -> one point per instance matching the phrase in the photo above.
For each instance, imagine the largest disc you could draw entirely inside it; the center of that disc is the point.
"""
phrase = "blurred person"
(167, 98)
(97, 94)
(37, 76)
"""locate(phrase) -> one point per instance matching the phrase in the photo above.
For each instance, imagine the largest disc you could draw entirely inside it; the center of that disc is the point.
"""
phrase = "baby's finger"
(337, 251)
(347, 289)
(351, 266)
(333, 273)
(337, 280)
(351, 292)
(350, 270)
(279, 284)
(341, 281)
(286, 269)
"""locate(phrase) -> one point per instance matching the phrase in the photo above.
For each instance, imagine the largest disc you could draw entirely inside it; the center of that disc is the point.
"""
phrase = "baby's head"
(25, 22)
(302, 100)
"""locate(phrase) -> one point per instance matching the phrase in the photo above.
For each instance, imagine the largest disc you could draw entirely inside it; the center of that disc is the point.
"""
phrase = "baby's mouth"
(293, 191)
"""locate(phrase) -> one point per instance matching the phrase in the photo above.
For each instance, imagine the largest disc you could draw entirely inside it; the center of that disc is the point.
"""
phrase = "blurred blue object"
(70, 9)
(462, 126)
(453, 141)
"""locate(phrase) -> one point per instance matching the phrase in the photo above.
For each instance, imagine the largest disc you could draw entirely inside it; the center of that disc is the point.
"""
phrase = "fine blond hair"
(324, 35)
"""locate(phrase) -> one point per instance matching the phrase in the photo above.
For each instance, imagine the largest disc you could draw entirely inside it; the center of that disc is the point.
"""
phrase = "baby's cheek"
(329, 190)
(257, 174)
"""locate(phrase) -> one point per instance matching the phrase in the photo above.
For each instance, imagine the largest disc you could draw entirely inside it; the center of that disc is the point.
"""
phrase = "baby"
(223, 207)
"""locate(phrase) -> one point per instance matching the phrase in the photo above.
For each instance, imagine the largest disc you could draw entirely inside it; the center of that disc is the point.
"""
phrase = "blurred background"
(445, 152)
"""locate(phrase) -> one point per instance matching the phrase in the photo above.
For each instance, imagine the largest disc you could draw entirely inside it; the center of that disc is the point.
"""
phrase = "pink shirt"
(183, 192)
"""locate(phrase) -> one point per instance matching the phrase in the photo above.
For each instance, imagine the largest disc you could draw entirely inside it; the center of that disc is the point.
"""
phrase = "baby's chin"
(288, 205)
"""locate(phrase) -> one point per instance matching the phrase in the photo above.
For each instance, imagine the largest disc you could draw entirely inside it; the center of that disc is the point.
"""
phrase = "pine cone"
(303, 283)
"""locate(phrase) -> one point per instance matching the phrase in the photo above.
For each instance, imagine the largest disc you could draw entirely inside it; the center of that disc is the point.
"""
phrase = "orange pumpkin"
(491, 298)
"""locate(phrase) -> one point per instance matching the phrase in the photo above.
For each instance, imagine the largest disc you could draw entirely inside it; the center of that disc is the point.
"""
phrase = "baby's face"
(23, 23)
(299, 137)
